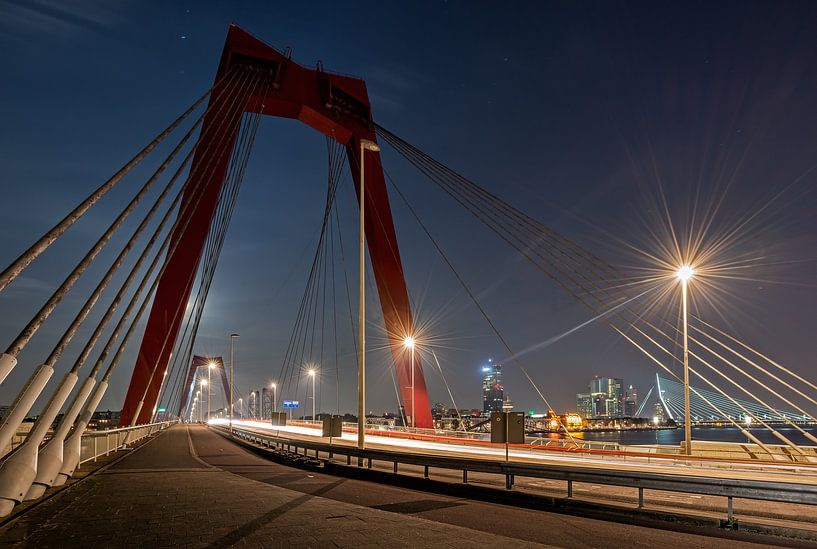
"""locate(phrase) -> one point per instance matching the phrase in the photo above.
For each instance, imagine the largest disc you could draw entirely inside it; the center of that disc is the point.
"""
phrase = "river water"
(716, 434)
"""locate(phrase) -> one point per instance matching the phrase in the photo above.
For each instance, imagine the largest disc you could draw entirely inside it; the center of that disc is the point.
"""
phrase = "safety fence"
(687, 482)
(102, 443)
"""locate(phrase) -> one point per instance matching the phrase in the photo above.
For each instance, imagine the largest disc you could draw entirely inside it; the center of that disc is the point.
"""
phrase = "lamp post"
(274, 397)
(198, 397)
(232, 339)
(240, 408)
(365, 145)
(409, 343)
(312, 375)
(209, 387)
(684, 274)
(203, 385)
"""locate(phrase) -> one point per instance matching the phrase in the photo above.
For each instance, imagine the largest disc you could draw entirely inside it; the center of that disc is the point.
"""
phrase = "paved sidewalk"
(163, 495)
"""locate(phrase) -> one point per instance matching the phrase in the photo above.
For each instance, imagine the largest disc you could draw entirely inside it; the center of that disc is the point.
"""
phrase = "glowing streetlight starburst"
(409, 342)
(685, 273)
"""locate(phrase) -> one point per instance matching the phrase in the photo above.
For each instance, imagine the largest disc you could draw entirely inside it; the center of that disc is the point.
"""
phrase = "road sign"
(292, 404)
(162, 410)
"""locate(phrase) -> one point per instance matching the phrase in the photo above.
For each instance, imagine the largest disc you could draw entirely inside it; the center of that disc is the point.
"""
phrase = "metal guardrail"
(690, 484)
(384, 429)
(99, 443)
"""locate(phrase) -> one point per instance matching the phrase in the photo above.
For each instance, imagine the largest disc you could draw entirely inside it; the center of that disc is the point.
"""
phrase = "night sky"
(580, 113)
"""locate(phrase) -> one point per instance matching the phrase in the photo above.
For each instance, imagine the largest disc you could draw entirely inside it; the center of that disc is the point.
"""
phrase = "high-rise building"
(493, 394)
(606, 397)
(584, 404)
(630, 400)
(600, 405)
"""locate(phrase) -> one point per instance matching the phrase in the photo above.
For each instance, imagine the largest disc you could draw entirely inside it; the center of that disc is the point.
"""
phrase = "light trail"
(788, 472)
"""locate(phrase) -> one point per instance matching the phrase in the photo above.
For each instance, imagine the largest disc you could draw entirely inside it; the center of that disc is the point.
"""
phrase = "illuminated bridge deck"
(190, 487)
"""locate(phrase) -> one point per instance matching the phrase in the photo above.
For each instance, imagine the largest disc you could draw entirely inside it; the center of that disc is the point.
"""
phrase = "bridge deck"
(191, 487)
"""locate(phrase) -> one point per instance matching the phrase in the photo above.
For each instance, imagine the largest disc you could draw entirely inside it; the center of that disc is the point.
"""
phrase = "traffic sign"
(292, 404)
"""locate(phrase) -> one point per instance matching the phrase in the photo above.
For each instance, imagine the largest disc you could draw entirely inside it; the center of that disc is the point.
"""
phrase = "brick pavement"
(162, 495)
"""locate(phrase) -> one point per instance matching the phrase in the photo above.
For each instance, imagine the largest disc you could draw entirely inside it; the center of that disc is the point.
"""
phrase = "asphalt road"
(523, 524)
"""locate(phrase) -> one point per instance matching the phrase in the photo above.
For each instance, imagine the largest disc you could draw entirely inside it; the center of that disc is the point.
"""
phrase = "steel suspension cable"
(220, 223)
(475, 301)
(45, 476)
(179, 226)
(235, 176)
(523, 251)
(33, 252)
(45, 311)
(26, 397)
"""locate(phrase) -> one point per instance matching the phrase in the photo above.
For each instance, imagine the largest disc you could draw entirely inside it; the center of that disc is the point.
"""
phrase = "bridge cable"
(68, 418)
(522, 251)
(474, 300)
(785, 419)
(525, 252)
(180, 225)
(785, 440)
(45, 311)
(305, 317)
(228, 198)
(26, 397)
(33, 252)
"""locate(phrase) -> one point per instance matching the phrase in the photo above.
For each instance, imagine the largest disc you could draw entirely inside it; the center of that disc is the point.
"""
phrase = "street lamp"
(312, 375)
(232, 339)
(684, 274)
(203, 385)
(365, 145)
(241, 408)
(409, 342)
(209, 387)
(274, 398)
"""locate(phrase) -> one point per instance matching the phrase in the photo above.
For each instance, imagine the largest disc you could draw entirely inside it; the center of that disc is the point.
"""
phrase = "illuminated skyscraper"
(584, 403)
(493, 394)
(607, 397)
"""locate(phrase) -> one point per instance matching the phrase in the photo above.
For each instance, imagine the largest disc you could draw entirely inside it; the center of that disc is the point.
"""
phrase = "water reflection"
(675, 436)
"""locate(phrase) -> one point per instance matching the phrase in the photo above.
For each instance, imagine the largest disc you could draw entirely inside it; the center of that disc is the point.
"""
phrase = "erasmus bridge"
(162, 273)
(709, 406)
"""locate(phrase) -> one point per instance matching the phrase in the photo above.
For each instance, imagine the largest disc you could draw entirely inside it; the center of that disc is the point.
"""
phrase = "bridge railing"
(377, 428)
(686, 482)
(102, 443)
(789, 492)
(575, 443)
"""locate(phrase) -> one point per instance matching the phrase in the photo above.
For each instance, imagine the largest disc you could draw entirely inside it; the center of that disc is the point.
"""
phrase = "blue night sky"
(576, 112)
